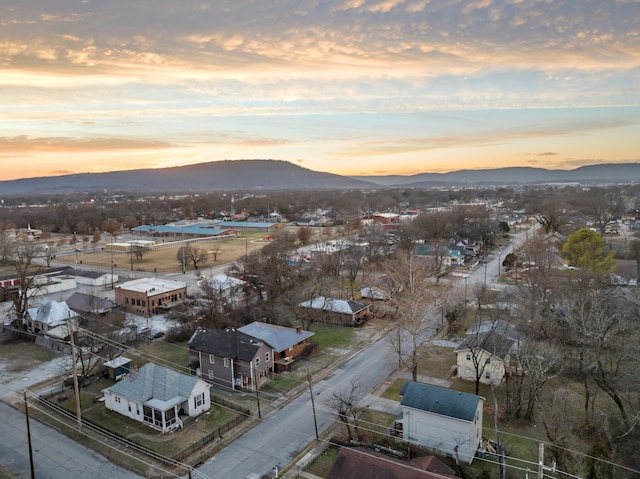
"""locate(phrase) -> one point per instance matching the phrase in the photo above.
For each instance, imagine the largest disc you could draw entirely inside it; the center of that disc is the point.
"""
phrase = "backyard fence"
(178, 457)
(217, 433)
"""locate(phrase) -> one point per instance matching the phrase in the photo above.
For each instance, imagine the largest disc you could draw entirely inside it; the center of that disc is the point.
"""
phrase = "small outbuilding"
(117, 368)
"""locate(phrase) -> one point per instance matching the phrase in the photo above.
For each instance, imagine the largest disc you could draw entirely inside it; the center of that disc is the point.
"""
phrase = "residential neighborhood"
(390, 344)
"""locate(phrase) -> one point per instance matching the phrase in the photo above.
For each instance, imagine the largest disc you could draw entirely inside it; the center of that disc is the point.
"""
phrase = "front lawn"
(331, 336)
(165, 444)
(323, 463)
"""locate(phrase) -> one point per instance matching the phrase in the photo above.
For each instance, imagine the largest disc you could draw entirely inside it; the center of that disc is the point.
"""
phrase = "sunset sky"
(354, 87)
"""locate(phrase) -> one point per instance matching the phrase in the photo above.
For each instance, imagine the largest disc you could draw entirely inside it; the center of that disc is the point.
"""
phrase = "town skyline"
(352, 87)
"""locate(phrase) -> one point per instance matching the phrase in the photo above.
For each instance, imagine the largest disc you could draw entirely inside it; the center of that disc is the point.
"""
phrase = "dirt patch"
(166, 260)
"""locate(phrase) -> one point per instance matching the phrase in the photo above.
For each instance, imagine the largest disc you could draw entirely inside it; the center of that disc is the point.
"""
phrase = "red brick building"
(149, 296)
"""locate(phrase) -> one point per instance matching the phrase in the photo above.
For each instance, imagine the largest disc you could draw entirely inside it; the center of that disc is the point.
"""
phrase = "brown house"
(337, 311)
(354, 463)
(230, 358)
(287, 343)
(149, 296)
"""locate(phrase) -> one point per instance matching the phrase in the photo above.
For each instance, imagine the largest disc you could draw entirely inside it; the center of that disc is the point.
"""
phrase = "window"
(198, 400)
(468, 357)
(226, 362)
(257, 362)
(267, 357)
(487, 375)
(144, 303)
(210, 373)
(126, 300)
(211, 358)
(488, 361)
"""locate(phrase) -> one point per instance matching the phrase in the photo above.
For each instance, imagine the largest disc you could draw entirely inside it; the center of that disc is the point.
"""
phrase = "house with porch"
(444, 420)
(485, 355)
(45, 317)
(158, 396)
(287, 343)
(230, 358)
(345, 312)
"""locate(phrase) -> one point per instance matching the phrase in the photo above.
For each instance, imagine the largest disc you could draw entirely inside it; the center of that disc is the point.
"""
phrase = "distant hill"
(606, 173)
(216, 175)
(250, 175)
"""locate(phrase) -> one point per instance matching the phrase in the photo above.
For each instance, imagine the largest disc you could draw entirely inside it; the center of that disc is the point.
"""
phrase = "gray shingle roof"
(343, 306)
(153, 381)
(445, 402)
(227, 343)
(490, 341)
(89, 303)
(278, 337)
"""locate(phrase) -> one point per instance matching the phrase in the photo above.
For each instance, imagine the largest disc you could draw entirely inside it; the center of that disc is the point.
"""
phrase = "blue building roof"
(244, 224)
(201, 229)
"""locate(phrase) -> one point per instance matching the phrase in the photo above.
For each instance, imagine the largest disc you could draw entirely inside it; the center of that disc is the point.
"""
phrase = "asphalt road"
(55, 455)
(281, 436)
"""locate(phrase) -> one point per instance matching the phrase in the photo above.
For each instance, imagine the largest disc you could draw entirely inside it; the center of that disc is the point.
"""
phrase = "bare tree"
(536, 363)
(603, 206)
(548, 210)
(412, 297)
(597, 325)
(193, 254)
(345, 404)
(304, 235)
(21, 259)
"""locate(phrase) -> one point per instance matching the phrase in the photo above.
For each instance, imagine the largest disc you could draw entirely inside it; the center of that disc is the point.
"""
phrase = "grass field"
(166, 260)
(24, 356)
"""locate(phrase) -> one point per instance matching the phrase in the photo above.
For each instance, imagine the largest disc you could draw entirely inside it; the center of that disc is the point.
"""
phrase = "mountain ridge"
(258, 174)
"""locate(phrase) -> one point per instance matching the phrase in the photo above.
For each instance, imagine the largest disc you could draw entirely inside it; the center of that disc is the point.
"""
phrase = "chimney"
(298, 330)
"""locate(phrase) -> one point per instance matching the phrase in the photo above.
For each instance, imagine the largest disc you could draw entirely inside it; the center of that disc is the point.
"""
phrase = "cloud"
(24, 144)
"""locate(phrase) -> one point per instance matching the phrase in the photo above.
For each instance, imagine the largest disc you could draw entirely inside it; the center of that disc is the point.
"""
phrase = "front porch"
(162, 415)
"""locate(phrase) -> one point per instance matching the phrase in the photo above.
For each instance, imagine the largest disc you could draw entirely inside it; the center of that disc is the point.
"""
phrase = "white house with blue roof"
(441, 419)
(157, 396)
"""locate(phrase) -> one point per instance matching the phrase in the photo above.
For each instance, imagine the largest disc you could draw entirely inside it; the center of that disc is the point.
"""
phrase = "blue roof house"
(444, 420)
(156, 396)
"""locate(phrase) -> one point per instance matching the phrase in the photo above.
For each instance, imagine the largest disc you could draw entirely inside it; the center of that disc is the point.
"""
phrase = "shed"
(117, 368)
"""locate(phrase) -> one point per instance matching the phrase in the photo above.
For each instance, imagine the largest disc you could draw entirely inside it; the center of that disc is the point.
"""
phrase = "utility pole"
(258, 401)
(183, 252)
(541, 460)
(313, 404)
(26, 414)
(75, 375)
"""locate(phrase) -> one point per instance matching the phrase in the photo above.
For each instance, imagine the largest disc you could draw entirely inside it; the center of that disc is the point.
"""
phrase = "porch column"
(233, 374)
